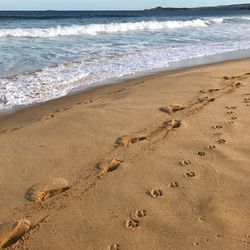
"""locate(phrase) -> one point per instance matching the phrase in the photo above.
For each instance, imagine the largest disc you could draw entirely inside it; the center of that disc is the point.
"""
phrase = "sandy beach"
(158, 162)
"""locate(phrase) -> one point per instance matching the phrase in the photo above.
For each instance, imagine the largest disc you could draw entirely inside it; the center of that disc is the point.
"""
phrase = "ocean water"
(45, 55)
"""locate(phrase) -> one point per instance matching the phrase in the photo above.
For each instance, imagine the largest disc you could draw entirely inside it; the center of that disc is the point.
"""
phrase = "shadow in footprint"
(185, 163)
(172, 108)
(11, 232)
(108, 166)
(115, 246)
(174, 184)
(171, 124)
(204, 91)
(154, 193)
(132, 223)
(221, 141)
(44, 190)
(127, 140)
(211, 147)
(140, 213)
(46, 117)
(200, 153)
(190, 174)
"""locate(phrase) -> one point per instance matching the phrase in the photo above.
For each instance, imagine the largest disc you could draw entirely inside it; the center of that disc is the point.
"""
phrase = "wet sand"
(159, 162)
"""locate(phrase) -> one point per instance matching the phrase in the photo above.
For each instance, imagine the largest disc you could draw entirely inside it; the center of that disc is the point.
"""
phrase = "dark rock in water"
(3, 99)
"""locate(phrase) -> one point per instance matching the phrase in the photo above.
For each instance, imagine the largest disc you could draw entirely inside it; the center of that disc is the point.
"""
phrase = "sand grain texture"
(181, 181)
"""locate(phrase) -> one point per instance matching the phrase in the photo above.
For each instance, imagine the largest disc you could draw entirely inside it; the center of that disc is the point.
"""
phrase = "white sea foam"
(95, 29)
(53, 82)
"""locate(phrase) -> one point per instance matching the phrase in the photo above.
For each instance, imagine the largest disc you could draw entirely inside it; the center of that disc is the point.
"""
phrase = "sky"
(105, 4)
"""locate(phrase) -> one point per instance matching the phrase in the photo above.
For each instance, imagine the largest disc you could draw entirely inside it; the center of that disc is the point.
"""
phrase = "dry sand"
(178, 180)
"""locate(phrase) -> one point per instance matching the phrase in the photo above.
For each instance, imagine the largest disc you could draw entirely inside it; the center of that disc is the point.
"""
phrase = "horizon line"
(174, 7)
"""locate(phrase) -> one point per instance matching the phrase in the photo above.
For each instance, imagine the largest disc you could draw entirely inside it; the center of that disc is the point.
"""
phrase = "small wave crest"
(95, 29)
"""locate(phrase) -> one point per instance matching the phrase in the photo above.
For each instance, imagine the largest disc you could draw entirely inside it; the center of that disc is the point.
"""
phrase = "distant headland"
(245, 6)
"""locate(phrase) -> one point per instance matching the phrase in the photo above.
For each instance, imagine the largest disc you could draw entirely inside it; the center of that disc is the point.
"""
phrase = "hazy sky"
(103, 4)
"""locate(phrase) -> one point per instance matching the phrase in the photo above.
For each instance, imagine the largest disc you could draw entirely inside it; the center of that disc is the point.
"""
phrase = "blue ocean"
(46, 55)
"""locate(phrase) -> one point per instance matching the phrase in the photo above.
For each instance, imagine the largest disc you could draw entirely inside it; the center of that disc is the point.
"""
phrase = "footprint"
(226, 77)
(234, 117)
(43, 191)
(200, 153)
(221, 141)
(230, 122)
(63, 109)
(132, 223)
(108, 166)
(177, 107)
(172, 124)
(166, 110)
(185, 163)
(205, 99)
(174, 184)
(172, 108)
(127, 140)
(237, 84)
(11, 130)
(204, 91)
(46, 117)
(217, 127)
(155, 193)
(211, 147)
(229, 112)
(190, 174)
(115, 246)
(11, 232)
(140, 213)
(230, 107)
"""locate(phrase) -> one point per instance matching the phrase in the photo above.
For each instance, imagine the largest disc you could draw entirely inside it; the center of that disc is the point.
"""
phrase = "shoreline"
(232, 56)
(130, 175)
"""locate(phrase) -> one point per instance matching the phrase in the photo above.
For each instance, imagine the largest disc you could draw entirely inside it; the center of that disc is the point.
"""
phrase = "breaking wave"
(95, 29)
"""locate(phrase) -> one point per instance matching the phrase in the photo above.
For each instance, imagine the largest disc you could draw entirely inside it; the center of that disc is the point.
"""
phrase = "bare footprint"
(200, 153)
(174, 184)
(127, 140)
(108, 166)
(166, 110)
(46, 117)
(172, 124)
(12, 130)
(172, 108)
(11, 232)
(190, 174)
(177, 107)
(204, 91)
(221, 141)
(204, 99)
(237, 84)
(132, 223)
(63, 109)
(154, 193)
(185, 163)
(140, 213)
(115, 246)
(43, 191)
